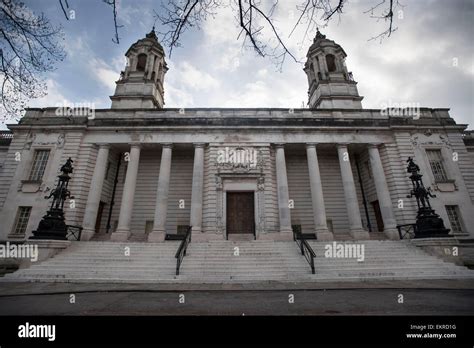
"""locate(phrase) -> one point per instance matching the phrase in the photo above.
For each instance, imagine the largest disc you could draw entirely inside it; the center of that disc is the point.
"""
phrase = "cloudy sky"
(429, 60)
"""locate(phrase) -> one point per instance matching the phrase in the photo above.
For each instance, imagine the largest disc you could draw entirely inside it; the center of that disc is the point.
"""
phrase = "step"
(214, 262)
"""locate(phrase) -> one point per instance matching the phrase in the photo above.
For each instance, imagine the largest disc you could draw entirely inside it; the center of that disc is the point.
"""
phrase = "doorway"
(100, 211)
(240, 213)
(378, 215)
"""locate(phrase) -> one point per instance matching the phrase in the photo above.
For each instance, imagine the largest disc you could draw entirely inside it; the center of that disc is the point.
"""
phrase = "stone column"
(322, 68)
(352, 203)
(95, 191)
(149, 65)
(383, 195)
(319, 209)
(123, 229)
(133, 64)
(161, 206)
(324, 63)
(283, 195)
(197, 189)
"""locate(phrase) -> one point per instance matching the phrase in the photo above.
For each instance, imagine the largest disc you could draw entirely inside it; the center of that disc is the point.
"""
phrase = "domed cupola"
(141, 83)
(331, 86)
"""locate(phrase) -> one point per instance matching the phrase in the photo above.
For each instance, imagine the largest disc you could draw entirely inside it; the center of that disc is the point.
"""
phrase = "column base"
(206, 237)
(324, 235)
(359, 234)
(87, 234)
(285, 234)
(391, 233)
(196, 230)
(120, 236)
(157, 236)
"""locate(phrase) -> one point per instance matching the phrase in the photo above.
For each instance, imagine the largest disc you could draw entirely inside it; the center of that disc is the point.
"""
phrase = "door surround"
(240, 183)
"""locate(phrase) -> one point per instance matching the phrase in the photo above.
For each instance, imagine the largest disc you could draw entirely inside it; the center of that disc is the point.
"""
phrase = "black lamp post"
(52, 225)
(428, 223)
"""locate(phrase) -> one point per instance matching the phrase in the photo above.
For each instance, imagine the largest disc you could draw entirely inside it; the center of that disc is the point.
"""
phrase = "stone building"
(143, 171)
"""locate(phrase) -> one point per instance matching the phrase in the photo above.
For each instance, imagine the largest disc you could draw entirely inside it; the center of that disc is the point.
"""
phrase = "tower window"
(331, 62)
(141, 64)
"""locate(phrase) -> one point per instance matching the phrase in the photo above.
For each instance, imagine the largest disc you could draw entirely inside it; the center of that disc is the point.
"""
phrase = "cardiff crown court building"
(143, 172)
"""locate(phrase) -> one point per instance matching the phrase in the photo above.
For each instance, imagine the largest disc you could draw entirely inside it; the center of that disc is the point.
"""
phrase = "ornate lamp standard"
(428, 223)
(52, 225)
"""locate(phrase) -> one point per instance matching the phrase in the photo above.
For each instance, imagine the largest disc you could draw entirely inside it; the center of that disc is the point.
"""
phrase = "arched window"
(331, 61)
(141, 64)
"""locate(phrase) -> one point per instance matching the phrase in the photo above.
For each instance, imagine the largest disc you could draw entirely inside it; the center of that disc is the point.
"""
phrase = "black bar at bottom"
(245, 329)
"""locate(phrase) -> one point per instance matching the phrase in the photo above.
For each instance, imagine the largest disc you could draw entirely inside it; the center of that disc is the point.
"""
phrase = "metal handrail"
(305, 248)
(183, 246)
(406, 230)
(73, 232)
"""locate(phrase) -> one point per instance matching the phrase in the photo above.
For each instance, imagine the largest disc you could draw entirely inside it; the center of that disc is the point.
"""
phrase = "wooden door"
(240, 212)
(99, 216)
(378, 215)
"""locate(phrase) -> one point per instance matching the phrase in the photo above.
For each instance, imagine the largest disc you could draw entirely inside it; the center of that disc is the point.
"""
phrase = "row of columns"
(319, 212)
(352, 204)
(158, 233)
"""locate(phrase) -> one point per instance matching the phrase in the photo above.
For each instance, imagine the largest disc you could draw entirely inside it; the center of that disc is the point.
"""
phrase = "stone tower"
(141, 84)
(331, 86)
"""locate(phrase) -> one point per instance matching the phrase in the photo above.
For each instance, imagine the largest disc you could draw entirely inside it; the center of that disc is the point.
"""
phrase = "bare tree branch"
(116, 26)
(29, 46)
(385, 14)
(254, 18)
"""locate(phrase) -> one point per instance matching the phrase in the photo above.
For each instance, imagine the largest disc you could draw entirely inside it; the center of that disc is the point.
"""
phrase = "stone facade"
(143, 171)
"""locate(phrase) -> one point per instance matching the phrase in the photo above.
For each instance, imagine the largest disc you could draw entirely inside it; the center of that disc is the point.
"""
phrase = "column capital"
(103, 145)
(309, 145)
(198, 145)
(167, 145)
(279, 145)
(135, 145)
(342, 145)
(373, 145)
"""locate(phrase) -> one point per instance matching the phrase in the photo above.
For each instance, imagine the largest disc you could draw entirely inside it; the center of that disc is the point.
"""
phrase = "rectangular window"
(22, 218)
(454, 220)
(39, 165)
(437, 167)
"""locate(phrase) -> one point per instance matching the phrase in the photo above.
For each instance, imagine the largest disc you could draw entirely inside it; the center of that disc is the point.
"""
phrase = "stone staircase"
(221, 261)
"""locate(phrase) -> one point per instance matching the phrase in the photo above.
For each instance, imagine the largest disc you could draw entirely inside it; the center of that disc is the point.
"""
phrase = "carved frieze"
(428, 139)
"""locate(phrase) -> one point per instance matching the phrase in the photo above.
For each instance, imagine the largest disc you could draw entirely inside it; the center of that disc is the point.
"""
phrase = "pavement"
(431, 297)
